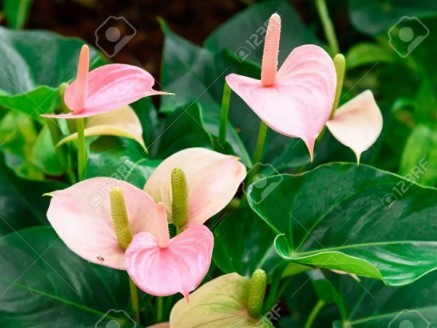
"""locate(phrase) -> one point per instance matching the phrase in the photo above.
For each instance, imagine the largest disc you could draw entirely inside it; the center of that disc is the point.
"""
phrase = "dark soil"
(193, 19)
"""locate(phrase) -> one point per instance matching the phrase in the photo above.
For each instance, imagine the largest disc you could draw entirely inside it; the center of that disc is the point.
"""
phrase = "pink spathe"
(182, 264)
(297, 100)
(212, 180)
(357, 123)
(105, 88)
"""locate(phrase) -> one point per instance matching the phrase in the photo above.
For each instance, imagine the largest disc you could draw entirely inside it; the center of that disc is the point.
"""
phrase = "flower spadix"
(195, 184)
(295, 100)
(105, 88)
(115, 224)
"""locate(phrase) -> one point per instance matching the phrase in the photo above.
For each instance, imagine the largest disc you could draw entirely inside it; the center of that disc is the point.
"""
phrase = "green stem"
(224, 113)
(159, 309)
(328, 27)
(259, 150)
(314, 312)
(134, 300)
(81, 148)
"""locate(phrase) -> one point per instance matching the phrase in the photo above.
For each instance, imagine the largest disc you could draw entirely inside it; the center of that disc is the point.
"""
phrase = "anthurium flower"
(105, 88)
(222, 302)
(357, 123)
(212, 180)
(295, 100)
(122, 122)
(115, 224)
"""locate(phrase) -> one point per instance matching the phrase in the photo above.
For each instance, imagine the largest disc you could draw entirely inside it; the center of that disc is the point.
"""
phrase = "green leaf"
(22, 196)
(121, 159)
(37, 63)
(351, 218)
(183, 129)
(16, 12)
(41, 278)
(371, 304)
(243, 243)
(244, 33)
(18, 135)
(375, 16)
(367, 53)
(419, 160)
(44, 154)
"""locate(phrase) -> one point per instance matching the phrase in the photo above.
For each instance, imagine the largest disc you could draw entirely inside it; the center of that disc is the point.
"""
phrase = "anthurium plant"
(267, 179)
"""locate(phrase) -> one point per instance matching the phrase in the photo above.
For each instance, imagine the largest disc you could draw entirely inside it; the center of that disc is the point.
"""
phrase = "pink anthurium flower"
(82, 217)
(357, 123)
(297, 99)
(105, 88)
(212, 181)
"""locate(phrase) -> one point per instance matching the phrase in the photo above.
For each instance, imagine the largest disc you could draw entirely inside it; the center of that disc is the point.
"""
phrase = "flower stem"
(224, 113)
(81, 148)
(259, 150)
(314, 312)
(134, 300)
(159, 308)
(328, 27)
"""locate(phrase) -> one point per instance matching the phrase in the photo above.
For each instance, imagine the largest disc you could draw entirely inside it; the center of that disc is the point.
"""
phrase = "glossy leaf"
(371, 304)
(333, 218)
(244, 243)
(36, 72)
(121, 159)
(183, 129)
(37, 268)
(419, 159)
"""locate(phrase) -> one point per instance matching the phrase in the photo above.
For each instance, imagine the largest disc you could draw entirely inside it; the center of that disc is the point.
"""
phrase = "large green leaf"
(376, 16)
(37, 63)
(352, 218)
(22, 200)
(371, 304)
(41, 279)
(243, 243)
(121, 159)
(419, 160)
(184, 128)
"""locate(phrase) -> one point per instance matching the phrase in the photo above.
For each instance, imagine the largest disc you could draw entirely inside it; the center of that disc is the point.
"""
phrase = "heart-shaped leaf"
(37, 271)
(333, 218)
